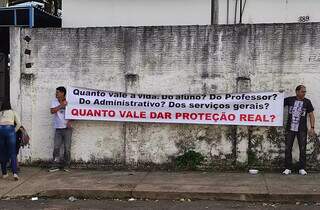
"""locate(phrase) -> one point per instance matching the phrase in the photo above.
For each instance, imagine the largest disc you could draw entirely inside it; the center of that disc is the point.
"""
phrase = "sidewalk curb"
(86, 194)
(156, 195)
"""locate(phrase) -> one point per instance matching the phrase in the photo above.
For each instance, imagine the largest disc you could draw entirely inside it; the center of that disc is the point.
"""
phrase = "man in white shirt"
(63, 131)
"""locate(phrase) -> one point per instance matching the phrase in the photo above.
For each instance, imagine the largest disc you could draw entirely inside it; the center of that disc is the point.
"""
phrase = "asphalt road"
(53, 204)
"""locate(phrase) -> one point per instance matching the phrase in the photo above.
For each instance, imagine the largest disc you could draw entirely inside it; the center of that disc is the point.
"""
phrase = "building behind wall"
(102, 13)
(268, 11)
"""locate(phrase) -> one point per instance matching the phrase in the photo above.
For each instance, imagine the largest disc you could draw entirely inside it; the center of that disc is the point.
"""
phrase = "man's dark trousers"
(302, 141)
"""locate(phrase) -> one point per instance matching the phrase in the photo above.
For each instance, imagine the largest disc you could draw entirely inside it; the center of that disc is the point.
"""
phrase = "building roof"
(28, 15)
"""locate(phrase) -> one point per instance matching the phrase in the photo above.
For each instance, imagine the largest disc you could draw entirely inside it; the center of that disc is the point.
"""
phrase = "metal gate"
(4, 69)
(4, 77)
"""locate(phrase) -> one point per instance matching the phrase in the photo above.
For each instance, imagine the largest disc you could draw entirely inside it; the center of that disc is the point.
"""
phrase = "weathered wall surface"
(163, 60)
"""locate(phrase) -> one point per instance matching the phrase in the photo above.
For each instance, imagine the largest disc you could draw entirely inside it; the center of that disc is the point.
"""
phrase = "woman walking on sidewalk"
(8, 120)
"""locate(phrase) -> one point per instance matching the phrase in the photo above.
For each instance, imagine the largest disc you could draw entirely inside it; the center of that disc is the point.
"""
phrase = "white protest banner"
(256, 109)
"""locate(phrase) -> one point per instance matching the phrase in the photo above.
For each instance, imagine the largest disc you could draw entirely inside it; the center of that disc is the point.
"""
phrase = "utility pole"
(240, 21)
(235, 12)
(214, 11)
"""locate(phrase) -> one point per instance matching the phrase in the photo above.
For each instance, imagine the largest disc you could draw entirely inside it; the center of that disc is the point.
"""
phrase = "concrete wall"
(270, 11)
(163, 60)
(101, 13)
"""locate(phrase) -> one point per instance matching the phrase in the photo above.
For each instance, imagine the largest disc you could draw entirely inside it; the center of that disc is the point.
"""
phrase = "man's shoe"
(286, 172)
(302, 172)
(66, 170)
(53, 169)
(5, 176)
(15, 177)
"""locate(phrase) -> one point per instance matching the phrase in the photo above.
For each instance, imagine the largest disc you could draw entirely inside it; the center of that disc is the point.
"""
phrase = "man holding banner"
(63, 131)
(299, 109)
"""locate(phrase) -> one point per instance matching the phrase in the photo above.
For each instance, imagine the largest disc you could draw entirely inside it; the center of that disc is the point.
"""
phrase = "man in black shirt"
(299, 109)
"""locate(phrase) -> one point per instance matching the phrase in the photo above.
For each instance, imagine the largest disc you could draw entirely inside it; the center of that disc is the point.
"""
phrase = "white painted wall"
(94, 13)
(270, 11)
(165, 60)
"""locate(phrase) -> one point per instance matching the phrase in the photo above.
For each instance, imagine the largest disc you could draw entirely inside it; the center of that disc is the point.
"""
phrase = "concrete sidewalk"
(163, 185)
